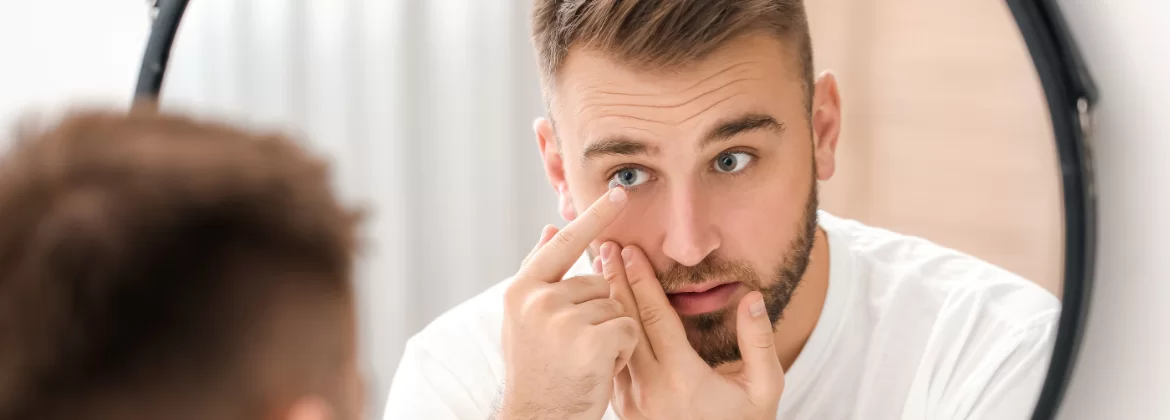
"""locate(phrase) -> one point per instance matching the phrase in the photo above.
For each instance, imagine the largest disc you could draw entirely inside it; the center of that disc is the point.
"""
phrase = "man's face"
(719, 161)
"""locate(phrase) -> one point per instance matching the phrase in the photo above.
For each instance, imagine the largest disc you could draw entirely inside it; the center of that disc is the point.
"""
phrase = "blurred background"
(425, 108)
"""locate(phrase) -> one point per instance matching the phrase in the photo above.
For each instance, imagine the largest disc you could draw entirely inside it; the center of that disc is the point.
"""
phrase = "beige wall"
(946, 134)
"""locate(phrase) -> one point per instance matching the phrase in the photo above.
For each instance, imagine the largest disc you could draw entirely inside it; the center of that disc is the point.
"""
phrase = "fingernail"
(617, 195)
(606, 252)
(758, 307)
(628, 254)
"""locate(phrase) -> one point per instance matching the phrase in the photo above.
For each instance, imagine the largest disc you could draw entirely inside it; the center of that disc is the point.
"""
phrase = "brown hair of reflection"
(713, 334)
(657, 34)
(153, 266)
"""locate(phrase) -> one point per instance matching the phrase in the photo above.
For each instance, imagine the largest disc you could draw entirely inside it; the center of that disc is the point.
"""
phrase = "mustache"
(678, 276)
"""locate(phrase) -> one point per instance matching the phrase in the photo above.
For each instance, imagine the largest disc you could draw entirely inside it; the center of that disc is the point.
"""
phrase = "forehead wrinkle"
(601, 96)
(597, 94)
(700, 112)
(692, 86)
(693, 99)
(681, 120)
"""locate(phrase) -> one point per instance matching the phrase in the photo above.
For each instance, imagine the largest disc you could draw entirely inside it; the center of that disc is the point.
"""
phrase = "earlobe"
(826, 122)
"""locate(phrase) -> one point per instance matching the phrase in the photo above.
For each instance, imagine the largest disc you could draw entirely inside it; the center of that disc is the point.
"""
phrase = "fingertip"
(617, 195)
(629, 255)
(597, 265)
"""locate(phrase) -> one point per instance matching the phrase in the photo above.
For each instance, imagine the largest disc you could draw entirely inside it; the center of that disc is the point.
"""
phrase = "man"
(155, 267)
(698, 133)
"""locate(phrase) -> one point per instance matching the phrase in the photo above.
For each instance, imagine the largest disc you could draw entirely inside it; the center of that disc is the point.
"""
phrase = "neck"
(804, 310)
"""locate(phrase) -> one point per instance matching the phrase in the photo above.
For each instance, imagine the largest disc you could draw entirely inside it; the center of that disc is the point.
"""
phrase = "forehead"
(595, 93)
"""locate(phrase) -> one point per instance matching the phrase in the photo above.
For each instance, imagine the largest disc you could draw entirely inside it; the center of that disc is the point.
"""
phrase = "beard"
(713, 334)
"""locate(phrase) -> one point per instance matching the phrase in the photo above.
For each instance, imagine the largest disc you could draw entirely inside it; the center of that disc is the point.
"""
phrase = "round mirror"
(946, 156)
(946, 134)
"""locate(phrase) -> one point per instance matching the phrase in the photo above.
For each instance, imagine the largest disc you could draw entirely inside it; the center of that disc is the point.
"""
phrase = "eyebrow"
(614, 146)
(626, 146)
(740, 125)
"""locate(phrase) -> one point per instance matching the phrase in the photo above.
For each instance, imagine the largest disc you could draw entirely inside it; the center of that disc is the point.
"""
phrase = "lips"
(702, 298)
(698, 288)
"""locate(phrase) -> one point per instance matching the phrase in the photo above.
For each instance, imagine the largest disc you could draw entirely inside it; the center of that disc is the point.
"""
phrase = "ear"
(826, 123)
(554, 166)
(309, 408)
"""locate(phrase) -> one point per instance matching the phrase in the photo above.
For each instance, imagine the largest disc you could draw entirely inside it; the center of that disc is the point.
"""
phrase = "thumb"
(762, 371)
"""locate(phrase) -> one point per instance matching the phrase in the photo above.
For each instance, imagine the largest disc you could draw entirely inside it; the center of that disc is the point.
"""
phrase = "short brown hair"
(663, 33)
(151, 259)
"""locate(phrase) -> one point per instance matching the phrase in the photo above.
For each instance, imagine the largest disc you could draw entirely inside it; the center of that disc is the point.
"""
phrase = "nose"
(690, 233)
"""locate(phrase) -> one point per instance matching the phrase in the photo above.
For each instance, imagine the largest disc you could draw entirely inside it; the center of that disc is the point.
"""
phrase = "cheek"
(637, 224)
(759, 225)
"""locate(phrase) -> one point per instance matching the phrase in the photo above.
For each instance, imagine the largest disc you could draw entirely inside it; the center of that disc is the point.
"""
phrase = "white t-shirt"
(909, 330)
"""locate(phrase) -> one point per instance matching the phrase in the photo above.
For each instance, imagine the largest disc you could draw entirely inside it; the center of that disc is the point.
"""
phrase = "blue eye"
(628, 177)
(732, 162)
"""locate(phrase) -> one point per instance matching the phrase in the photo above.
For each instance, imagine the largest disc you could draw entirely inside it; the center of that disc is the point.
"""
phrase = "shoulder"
(891, 268)
(978, 336)
(471, 327)
(453, 368)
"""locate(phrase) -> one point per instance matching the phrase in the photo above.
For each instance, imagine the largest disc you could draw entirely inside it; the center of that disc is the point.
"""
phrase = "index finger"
(553, 260)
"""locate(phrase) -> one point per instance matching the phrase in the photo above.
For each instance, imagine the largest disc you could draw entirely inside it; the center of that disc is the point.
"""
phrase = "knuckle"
(608, 308)
(565, 238)
(539, 302)
(587, 279)
(650, 315)
(513, 295)
(597, 284)
(625, 332)
(761, 341)
(563, 323)
(629, 328)
(635, 279)
(592, 286)
(614, 307)
(610, 272)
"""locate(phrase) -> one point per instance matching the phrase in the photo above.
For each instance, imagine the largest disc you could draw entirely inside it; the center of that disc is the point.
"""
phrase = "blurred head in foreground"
(152, 267)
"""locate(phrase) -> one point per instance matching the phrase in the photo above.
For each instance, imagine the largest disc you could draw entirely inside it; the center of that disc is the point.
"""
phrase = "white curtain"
(424, 107)
(67, 53)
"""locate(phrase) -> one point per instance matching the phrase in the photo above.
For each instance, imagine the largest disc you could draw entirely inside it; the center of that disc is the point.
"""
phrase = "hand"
(564, 340)
(666, 378)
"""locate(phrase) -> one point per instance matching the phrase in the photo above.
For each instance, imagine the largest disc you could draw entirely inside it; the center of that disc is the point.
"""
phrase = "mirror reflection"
(712, 209)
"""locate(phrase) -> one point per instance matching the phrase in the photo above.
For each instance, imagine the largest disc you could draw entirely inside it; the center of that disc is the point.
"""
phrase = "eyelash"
(751, 165)
(609, 176)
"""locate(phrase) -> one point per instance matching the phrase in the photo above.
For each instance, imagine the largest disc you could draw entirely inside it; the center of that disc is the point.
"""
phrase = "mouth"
(702, 298)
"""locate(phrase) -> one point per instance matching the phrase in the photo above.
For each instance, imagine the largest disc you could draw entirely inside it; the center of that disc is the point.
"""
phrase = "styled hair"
(656, 34)
(151, 260)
